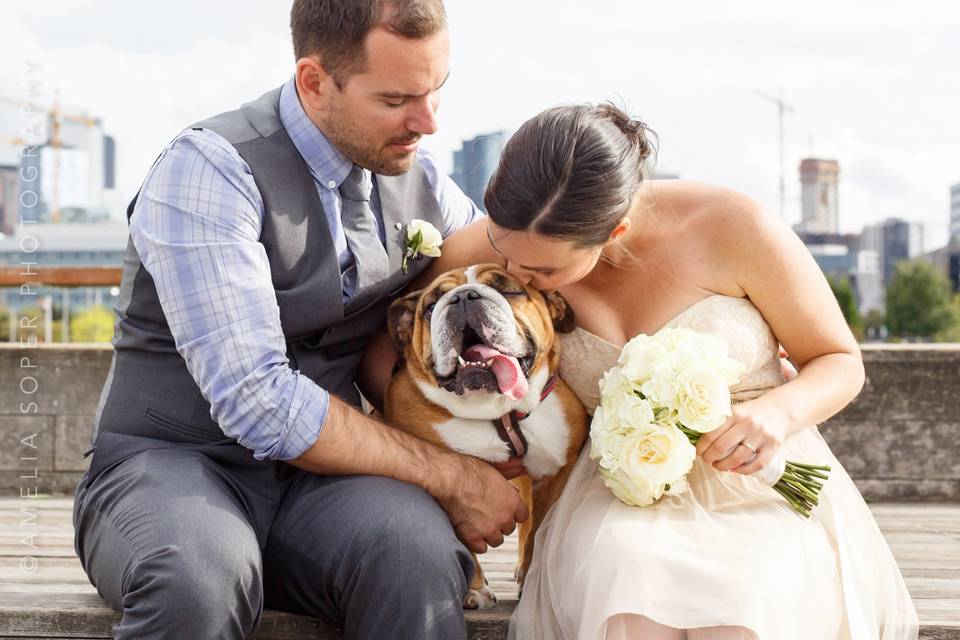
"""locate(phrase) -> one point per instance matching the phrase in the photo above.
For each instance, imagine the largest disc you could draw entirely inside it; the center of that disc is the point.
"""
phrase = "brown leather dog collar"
(508, 425)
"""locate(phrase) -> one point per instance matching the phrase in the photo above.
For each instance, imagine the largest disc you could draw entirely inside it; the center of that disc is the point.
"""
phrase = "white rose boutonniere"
(422, 239)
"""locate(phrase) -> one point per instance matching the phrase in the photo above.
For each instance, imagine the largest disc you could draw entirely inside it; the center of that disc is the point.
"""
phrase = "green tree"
(918, 301)
(94, 324)
(952, 332)
(873, 323)
(847, 299)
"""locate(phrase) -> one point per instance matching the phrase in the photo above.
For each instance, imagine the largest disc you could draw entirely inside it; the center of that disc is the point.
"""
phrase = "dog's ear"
(400, 317)
(564, 320)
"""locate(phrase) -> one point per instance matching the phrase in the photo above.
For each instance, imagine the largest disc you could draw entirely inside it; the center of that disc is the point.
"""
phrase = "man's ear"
(400, 318)
(564, 320)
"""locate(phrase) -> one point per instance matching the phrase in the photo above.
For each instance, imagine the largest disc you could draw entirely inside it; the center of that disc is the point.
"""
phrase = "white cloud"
(873, 86)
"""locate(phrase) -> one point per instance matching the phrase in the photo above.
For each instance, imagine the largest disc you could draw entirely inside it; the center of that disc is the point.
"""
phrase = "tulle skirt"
(730, 551)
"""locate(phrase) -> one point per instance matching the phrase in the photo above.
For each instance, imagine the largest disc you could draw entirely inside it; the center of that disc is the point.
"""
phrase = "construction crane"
(782, 109)
(57, 118)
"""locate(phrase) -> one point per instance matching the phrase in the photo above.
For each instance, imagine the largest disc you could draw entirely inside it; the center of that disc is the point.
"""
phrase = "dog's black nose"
(470, 295)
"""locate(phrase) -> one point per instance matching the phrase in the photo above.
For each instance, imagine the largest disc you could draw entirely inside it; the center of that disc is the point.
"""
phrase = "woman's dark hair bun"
(637, 131)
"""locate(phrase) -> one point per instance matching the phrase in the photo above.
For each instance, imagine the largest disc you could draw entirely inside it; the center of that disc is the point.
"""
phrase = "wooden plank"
(68, 615)
(925, 539)
(71, 615)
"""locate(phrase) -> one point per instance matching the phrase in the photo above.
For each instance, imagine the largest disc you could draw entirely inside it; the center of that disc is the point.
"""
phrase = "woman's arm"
(772, 266)
(469, 245)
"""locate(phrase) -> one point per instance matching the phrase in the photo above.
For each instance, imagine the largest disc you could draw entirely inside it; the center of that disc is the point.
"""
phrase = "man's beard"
(350, 139)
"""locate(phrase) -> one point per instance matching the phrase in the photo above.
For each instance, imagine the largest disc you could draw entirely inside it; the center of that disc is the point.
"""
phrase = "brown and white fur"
(438, 397)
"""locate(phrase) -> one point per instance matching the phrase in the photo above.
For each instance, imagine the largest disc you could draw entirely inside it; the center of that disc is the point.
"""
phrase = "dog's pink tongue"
(507, 369)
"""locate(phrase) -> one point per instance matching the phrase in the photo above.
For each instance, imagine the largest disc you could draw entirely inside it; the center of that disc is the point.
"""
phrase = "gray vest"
(149, 391)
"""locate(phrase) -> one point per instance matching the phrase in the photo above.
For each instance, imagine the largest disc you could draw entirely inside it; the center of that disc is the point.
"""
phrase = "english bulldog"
(478, 374)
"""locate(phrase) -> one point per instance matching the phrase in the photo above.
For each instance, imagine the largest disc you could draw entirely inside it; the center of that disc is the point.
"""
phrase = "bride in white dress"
(568, 210)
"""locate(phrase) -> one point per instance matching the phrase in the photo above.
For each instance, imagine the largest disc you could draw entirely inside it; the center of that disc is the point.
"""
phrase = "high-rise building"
(955, 213)
(947, 261)
(476, 161)
(76, 178)
(893, 240)
(843, 256)
(9, 200)
(818, 195)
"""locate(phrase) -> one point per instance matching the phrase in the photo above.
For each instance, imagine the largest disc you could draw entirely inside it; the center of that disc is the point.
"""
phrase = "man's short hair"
(337, 29)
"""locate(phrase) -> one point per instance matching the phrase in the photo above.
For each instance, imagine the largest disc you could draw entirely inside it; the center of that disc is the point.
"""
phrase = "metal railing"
(28, 279)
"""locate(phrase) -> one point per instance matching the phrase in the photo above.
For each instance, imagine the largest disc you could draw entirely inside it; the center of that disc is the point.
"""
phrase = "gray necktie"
(360, 228)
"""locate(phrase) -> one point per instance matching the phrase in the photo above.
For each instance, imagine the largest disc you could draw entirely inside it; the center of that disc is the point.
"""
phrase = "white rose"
(430, 238)
(703, 399)
(614, 426)
(637, 493)
(694, 349)
(607, 438)
(662, 387)
(635, 412)
(640, 357)
(651, 462)
(661, 454)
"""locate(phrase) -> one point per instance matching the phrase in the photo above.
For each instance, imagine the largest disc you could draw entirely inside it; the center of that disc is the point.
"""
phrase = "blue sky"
(875, 86)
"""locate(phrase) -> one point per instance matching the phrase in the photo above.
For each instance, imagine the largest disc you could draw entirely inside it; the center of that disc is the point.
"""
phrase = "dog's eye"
(510, 291)
(428, 310)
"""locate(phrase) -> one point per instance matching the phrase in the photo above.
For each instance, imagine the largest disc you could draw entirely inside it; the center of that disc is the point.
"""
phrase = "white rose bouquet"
(665, 392)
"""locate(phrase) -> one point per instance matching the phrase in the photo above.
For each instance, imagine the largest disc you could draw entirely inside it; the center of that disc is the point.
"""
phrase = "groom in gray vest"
(231, 469)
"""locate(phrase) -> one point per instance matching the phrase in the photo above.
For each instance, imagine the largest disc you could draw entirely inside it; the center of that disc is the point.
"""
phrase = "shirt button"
(332, 184)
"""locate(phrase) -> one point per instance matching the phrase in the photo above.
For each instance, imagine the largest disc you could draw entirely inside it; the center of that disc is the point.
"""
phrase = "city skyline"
(689, 70)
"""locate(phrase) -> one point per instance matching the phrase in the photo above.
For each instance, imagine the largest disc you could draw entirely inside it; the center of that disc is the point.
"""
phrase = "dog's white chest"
(546, 431)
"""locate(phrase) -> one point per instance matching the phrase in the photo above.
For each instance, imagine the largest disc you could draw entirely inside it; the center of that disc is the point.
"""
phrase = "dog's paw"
(482, 599)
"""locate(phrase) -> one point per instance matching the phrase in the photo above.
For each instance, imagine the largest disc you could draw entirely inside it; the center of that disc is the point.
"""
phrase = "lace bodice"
(585, 356)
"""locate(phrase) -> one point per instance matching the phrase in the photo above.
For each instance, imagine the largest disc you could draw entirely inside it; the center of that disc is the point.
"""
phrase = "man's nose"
(423, 120)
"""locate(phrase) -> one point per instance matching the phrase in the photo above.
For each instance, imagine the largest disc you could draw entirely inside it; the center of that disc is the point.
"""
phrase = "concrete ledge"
(900, 439)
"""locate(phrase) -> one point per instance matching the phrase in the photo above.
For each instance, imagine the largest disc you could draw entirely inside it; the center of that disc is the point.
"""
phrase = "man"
(231, 468)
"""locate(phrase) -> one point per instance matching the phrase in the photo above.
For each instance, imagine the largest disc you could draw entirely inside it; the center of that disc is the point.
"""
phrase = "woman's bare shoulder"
(716, 229)
(715, 214)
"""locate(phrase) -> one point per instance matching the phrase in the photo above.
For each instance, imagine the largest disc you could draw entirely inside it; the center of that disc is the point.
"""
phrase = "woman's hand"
(748, 440)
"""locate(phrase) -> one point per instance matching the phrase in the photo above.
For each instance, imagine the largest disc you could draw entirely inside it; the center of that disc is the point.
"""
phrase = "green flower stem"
(801, 465)
(799, 484)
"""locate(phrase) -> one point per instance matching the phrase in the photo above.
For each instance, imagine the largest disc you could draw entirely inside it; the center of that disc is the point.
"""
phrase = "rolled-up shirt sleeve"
(196, 227)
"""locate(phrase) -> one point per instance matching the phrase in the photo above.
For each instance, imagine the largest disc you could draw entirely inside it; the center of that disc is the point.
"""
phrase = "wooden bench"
(55, 600)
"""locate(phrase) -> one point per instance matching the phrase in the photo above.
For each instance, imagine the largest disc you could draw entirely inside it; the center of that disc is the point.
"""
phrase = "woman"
(569, 210)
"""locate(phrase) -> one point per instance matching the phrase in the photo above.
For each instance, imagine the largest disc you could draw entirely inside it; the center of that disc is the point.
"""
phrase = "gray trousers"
(192, 541)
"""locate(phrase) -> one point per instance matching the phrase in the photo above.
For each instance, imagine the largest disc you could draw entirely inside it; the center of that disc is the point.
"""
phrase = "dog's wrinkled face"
(479, 330)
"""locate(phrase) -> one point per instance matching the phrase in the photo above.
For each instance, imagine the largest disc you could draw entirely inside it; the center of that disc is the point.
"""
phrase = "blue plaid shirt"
(196, 227)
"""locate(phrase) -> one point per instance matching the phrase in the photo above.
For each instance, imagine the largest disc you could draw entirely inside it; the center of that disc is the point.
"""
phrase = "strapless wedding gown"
(730, 551)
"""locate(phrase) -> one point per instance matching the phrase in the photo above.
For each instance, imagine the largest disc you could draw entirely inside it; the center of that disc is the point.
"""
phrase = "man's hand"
(512, 468)
(482, 506)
